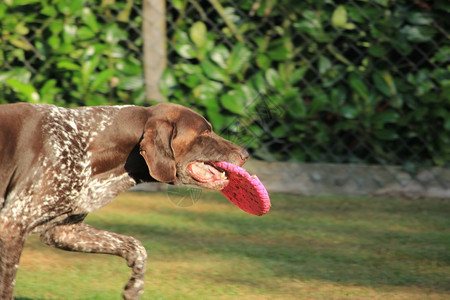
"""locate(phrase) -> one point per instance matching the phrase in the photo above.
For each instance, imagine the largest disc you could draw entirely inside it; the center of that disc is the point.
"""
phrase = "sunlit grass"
(304, 248)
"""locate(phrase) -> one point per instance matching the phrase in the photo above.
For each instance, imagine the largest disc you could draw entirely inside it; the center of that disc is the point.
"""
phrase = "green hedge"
(318, 80)
(70, 52)
(342, 82)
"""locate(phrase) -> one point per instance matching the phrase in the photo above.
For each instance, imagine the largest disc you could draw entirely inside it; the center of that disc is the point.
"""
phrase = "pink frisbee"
(244, 190)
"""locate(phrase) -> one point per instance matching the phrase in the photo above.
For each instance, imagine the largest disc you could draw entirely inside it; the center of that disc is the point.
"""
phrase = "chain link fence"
(355, 83)
(341, 82)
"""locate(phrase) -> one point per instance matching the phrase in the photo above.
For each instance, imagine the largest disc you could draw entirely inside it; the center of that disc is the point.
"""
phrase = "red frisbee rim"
(244, 190)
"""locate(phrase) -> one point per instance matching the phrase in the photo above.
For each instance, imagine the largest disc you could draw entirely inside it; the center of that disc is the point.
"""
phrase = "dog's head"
(178, 143)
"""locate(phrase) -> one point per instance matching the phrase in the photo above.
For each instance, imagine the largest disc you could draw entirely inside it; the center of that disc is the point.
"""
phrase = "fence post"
(154, 38)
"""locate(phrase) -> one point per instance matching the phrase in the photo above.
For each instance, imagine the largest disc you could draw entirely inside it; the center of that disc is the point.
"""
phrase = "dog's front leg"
(12, 240)
(81, 237)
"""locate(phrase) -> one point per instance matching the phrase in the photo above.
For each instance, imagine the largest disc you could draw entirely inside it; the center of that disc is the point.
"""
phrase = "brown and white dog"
(58, 164)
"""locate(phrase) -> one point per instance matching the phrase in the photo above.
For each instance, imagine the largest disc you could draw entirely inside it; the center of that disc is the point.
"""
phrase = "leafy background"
(333, 81)
(70, 53)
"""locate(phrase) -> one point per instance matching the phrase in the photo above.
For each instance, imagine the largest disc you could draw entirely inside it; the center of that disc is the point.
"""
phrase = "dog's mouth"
(208, 176)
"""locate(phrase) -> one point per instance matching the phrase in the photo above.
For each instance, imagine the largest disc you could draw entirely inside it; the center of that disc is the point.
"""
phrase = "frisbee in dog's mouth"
(241, 188)
(207, 175)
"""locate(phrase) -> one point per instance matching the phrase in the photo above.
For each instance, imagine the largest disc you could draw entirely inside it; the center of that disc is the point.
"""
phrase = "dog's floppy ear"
(156, 148)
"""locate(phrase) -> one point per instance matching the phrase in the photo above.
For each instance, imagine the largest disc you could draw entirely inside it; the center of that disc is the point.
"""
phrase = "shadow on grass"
(367, 242)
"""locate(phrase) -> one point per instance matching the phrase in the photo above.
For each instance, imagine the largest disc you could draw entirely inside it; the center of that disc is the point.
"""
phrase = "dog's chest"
(99, 191)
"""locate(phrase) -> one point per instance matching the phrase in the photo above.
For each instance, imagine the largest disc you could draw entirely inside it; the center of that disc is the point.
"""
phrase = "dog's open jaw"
(207, 176)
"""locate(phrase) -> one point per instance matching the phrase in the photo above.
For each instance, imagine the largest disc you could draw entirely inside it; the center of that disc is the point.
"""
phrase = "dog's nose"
(244, 155)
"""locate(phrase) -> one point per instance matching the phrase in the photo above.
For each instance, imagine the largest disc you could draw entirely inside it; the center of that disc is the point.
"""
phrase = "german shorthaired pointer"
(58, 164)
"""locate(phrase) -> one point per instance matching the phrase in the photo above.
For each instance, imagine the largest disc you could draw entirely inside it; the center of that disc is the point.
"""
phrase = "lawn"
(304, 248)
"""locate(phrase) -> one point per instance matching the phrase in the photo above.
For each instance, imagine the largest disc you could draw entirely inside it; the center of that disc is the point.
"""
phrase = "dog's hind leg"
(81, 237)
(12, 240)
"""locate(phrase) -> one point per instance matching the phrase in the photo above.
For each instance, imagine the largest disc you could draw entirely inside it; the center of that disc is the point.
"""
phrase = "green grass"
(304, 248)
